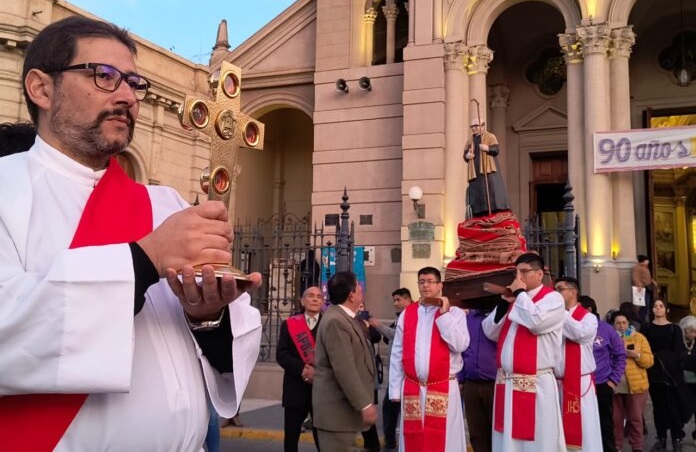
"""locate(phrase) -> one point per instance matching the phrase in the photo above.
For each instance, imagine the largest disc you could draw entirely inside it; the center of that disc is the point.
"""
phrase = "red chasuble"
(424, 433)
(118, 211)
(524, 362)
(302, 337)
(572, 391)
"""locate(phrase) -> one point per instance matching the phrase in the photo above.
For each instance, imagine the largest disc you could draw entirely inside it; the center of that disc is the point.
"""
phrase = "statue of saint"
(486, 192)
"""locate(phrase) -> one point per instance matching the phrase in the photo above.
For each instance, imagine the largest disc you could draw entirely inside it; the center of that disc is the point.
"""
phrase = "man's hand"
(373, 322)
(197, 235)
(369, 416)
(469, 155)
(632, 354)
(483, 147)
(611, 384)
(308, 373)
(517, 283)
(445, 307)
(205, 300)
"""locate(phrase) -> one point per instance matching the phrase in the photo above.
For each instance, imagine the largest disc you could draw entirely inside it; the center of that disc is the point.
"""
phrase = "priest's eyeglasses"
(109, 78)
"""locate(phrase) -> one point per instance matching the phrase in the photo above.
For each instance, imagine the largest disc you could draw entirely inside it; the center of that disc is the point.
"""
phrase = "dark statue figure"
(486, 192)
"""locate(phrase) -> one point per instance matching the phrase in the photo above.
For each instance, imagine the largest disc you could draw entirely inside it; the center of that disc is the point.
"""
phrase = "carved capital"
(480, 58)
(390, 12)
(571, 48)
(594, 38)
(500, 96)
(622, 40)
(369, 16)
(455, 53)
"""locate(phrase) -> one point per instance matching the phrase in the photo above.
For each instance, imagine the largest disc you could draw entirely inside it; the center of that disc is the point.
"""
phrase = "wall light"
(416, 193)
(342, 85)
(597, 265)
(365, 83)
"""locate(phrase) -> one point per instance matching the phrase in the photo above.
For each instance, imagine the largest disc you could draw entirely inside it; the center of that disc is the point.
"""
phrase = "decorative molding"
(391, 12)
(571, 48)
(500, 96)
(479, 59)
(594, 38)
(545, 117)
(370, 15)
(455, 53)
(622, 40)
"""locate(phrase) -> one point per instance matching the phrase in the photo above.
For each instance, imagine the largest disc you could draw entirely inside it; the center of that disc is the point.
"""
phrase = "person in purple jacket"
(477, 382)
(610, 357)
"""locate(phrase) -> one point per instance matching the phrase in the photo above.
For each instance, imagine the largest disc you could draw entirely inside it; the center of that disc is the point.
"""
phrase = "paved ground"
(263, 430)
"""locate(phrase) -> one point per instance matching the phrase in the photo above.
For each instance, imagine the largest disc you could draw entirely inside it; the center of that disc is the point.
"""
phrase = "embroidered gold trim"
(436, 405)
(520, 382)
(412, 409)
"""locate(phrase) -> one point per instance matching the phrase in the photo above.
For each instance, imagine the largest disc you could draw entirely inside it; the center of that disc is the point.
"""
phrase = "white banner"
(644, 149)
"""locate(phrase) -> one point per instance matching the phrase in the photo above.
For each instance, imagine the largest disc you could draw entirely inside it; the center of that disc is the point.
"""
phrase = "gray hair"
(688, 323)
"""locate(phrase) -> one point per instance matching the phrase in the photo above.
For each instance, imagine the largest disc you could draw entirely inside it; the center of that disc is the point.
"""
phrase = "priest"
(110, 348)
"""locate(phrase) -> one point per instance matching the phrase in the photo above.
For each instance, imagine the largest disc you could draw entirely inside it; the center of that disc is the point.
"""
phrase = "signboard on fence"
(328, 266)
(644, 149)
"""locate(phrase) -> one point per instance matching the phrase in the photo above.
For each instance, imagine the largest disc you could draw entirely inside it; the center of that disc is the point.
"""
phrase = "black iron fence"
(555, 237)
(291, 255)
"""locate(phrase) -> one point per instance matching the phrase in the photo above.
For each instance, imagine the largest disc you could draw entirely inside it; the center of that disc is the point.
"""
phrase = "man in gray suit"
(344, 369)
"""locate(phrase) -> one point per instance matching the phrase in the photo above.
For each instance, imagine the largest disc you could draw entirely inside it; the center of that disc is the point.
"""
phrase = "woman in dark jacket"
(666, 376)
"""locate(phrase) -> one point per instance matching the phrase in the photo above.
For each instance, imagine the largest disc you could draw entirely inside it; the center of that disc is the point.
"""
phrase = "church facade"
(377, 97)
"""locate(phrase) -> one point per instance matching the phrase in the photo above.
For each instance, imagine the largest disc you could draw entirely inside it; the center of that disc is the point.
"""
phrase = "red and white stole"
(424, 433)
(118, 211)
(572, 390)
(524, 362)
(302, 337)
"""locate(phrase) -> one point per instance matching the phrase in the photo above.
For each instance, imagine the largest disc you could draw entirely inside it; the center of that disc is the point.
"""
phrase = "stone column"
(500, 97)
(480, 58)
(411, 23)
(456, 129)
(603, 281)
(437, 20)
(572, 52)
(622, 40)
(369, 20)
(391, 11)
(595, 45)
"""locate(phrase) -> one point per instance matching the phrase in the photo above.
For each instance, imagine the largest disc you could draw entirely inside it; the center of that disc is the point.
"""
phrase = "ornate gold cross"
(229, 129)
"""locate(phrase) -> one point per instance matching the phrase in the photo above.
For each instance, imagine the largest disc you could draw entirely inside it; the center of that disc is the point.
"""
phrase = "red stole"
(424, 433)
(302, 337)
(524, 362)
(572, 390)
(117, 211)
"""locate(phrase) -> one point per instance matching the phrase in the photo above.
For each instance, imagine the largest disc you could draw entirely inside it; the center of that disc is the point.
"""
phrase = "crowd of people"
(540, 371)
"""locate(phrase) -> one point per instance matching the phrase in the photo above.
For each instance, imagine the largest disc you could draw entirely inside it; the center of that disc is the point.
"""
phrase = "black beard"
(88, 140)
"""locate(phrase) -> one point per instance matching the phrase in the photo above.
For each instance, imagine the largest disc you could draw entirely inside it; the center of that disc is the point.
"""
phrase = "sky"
(171, 23)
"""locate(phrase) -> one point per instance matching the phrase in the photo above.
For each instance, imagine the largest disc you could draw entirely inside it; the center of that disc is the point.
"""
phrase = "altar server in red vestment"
(426, 356)
(528, 327)
(575, 370)
(111, 350)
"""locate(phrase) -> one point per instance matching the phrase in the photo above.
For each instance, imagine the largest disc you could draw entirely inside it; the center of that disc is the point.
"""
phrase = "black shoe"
(660, 445)
(677, 445)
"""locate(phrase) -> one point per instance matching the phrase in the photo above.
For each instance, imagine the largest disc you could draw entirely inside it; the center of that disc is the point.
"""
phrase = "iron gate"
(290, 255)
(559, 246)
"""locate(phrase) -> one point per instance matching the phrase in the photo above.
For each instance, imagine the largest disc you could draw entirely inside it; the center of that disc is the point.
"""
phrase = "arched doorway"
(278, 179)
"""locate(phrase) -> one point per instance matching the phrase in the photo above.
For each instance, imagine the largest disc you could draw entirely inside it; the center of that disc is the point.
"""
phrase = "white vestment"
(544, 319)
(454, 332)
(583, 332)
(69, 315)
